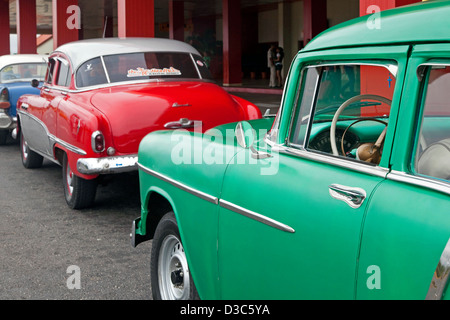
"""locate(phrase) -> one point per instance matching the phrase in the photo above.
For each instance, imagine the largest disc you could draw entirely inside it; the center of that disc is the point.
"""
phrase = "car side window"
(50, 70)
(343, 110)
(64, 75)
(432, 150)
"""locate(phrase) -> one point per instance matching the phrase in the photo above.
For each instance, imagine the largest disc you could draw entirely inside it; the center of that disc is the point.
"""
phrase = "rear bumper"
(135, 237)
(7, 122)
(107, 165)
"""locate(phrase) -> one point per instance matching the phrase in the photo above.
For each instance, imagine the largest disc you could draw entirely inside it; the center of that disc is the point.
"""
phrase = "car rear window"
(142, 66)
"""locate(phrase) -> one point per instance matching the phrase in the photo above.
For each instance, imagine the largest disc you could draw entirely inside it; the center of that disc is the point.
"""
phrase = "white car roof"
(83, 50)
(21, 58)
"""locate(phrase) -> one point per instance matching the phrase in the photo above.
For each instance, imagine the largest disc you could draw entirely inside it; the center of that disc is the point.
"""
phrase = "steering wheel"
(369, 152)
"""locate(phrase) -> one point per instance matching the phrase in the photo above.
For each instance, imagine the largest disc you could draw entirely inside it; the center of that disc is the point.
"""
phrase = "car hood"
(133, 111)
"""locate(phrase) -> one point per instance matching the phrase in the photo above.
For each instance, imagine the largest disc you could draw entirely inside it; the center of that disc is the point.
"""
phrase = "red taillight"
(98, 141)
(4, 105)
(4, 95)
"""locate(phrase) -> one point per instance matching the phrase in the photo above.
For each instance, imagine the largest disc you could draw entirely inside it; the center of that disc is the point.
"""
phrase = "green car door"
(290, 224)
(407, 227)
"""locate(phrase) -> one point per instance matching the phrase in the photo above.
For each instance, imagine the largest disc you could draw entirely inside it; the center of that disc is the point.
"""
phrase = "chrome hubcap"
(173, 272)
(69, 179)
(24, 149)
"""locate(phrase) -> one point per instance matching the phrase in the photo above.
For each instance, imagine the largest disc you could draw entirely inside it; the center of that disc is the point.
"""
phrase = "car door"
(33, 114)
(407, 228)
(290, 224)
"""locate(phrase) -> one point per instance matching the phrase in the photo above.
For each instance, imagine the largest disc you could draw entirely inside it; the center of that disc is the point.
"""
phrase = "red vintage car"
(102, 96)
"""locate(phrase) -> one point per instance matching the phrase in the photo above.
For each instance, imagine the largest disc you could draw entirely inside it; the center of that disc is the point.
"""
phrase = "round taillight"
(98, 141)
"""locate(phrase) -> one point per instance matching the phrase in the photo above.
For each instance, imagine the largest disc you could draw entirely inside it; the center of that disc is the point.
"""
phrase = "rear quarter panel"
(183, 156)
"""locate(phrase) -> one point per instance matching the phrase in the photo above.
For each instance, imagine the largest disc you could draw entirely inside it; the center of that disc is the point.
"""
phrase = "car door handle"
(183, 123)
(354, 197)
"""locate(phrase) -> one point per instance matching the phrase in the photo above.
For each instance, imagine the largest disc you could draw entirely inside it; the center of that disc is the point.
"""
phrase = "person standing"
(279, 65)
(271, 65)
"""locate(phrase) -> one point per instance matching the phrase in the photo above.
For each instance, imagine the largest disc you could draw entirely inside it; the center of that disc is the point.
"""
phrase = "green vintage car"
(344, 195)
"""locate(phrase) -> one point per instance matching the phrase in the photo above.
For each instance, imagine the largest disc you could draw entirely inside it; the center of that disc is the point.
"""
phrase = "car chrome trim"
(179, 185)
(51, 137)
(354, 197)
(255, 216)
(421, 181)
(353, 165)
(107, 164)
(440, 279)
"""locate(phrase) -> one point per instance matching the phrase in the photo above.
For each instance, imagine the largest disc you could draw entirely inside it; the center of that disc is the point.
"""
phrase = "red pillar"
(66, 21)
(176, 20)
(314, 18)
(26, 26)
(371, 77)
(232, 46)
(4, 27)
(382, 4)
(136, 18)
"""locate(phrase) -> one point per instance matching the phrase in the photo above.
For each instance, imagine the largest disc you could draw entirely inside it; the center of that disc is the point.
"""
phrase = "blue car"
(16, 74)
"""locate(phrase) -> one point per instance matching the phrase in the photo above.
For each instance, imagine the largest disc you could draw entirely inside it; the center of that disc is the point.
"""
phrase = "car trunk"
(136, 110)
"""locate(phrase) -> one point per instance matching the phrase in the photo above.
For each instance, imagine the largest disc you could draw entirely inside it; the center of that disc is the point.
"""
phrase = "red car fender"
(252, 111)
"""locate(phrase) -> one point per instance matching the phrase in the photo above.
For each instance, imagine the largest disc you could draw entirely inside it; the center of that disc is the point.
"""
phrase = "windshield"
(141, 66)
(23, 72)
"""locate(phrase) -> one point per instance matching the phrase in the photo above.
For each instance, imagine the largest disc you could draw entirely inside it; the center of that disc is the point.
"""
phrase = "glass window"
(432, 154)
(23, 72)
(50, 70)
(344, 110)
(63, 74)
(143, 66)
(91, 73)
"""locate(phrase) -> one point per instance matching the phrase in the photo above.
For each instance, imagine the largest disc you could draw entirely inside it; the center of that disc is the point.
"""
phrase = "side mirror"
(35, 83)
(245, 136)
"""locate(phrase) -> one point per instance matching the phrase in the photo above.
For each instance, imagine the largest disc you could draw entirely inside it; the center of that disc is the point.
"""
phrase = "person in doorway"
(271, 65)
(279, 65)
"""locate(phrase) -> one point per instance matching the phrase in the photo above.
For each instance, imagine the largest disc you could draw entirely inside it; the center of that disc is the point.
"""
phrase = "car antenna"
(104, 28)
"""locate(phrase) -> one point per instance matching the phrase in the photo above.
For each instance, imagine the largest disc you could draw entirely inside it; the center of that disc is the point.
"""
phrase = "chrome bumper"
(107, 165)
(7, 122)
(135, 237)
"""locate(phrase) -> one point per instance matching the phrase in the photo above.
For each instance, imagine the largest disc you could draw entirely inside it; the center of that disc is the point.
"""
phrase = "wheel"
(79, 192)
(169, 271)
(3, 136)
(30, 159)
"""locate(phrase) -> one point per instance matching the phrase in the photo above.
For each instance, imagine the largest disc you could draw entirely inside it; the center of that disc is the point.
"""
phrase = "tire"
(79, 192)
(30, 159)
(3, 136)
(168, 265)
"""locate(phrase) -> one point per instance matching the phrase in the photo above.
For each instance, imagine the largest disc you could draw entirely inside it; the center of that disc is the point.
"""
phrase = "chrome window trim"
(104, 68)
(333, 160)
(421, 181)
(114, 84)
(196, 67)
(179, 185)
(255, 216)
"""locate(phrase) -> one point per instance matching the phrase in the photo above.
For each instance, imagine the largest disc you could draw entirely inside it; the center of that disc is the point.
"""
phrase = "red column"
(382, 4)
(66, 21)
(26, 26)
(136, 18)
(176, 20)
(374, 80)
(314, 18)
(4, 27)
(232, 46)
